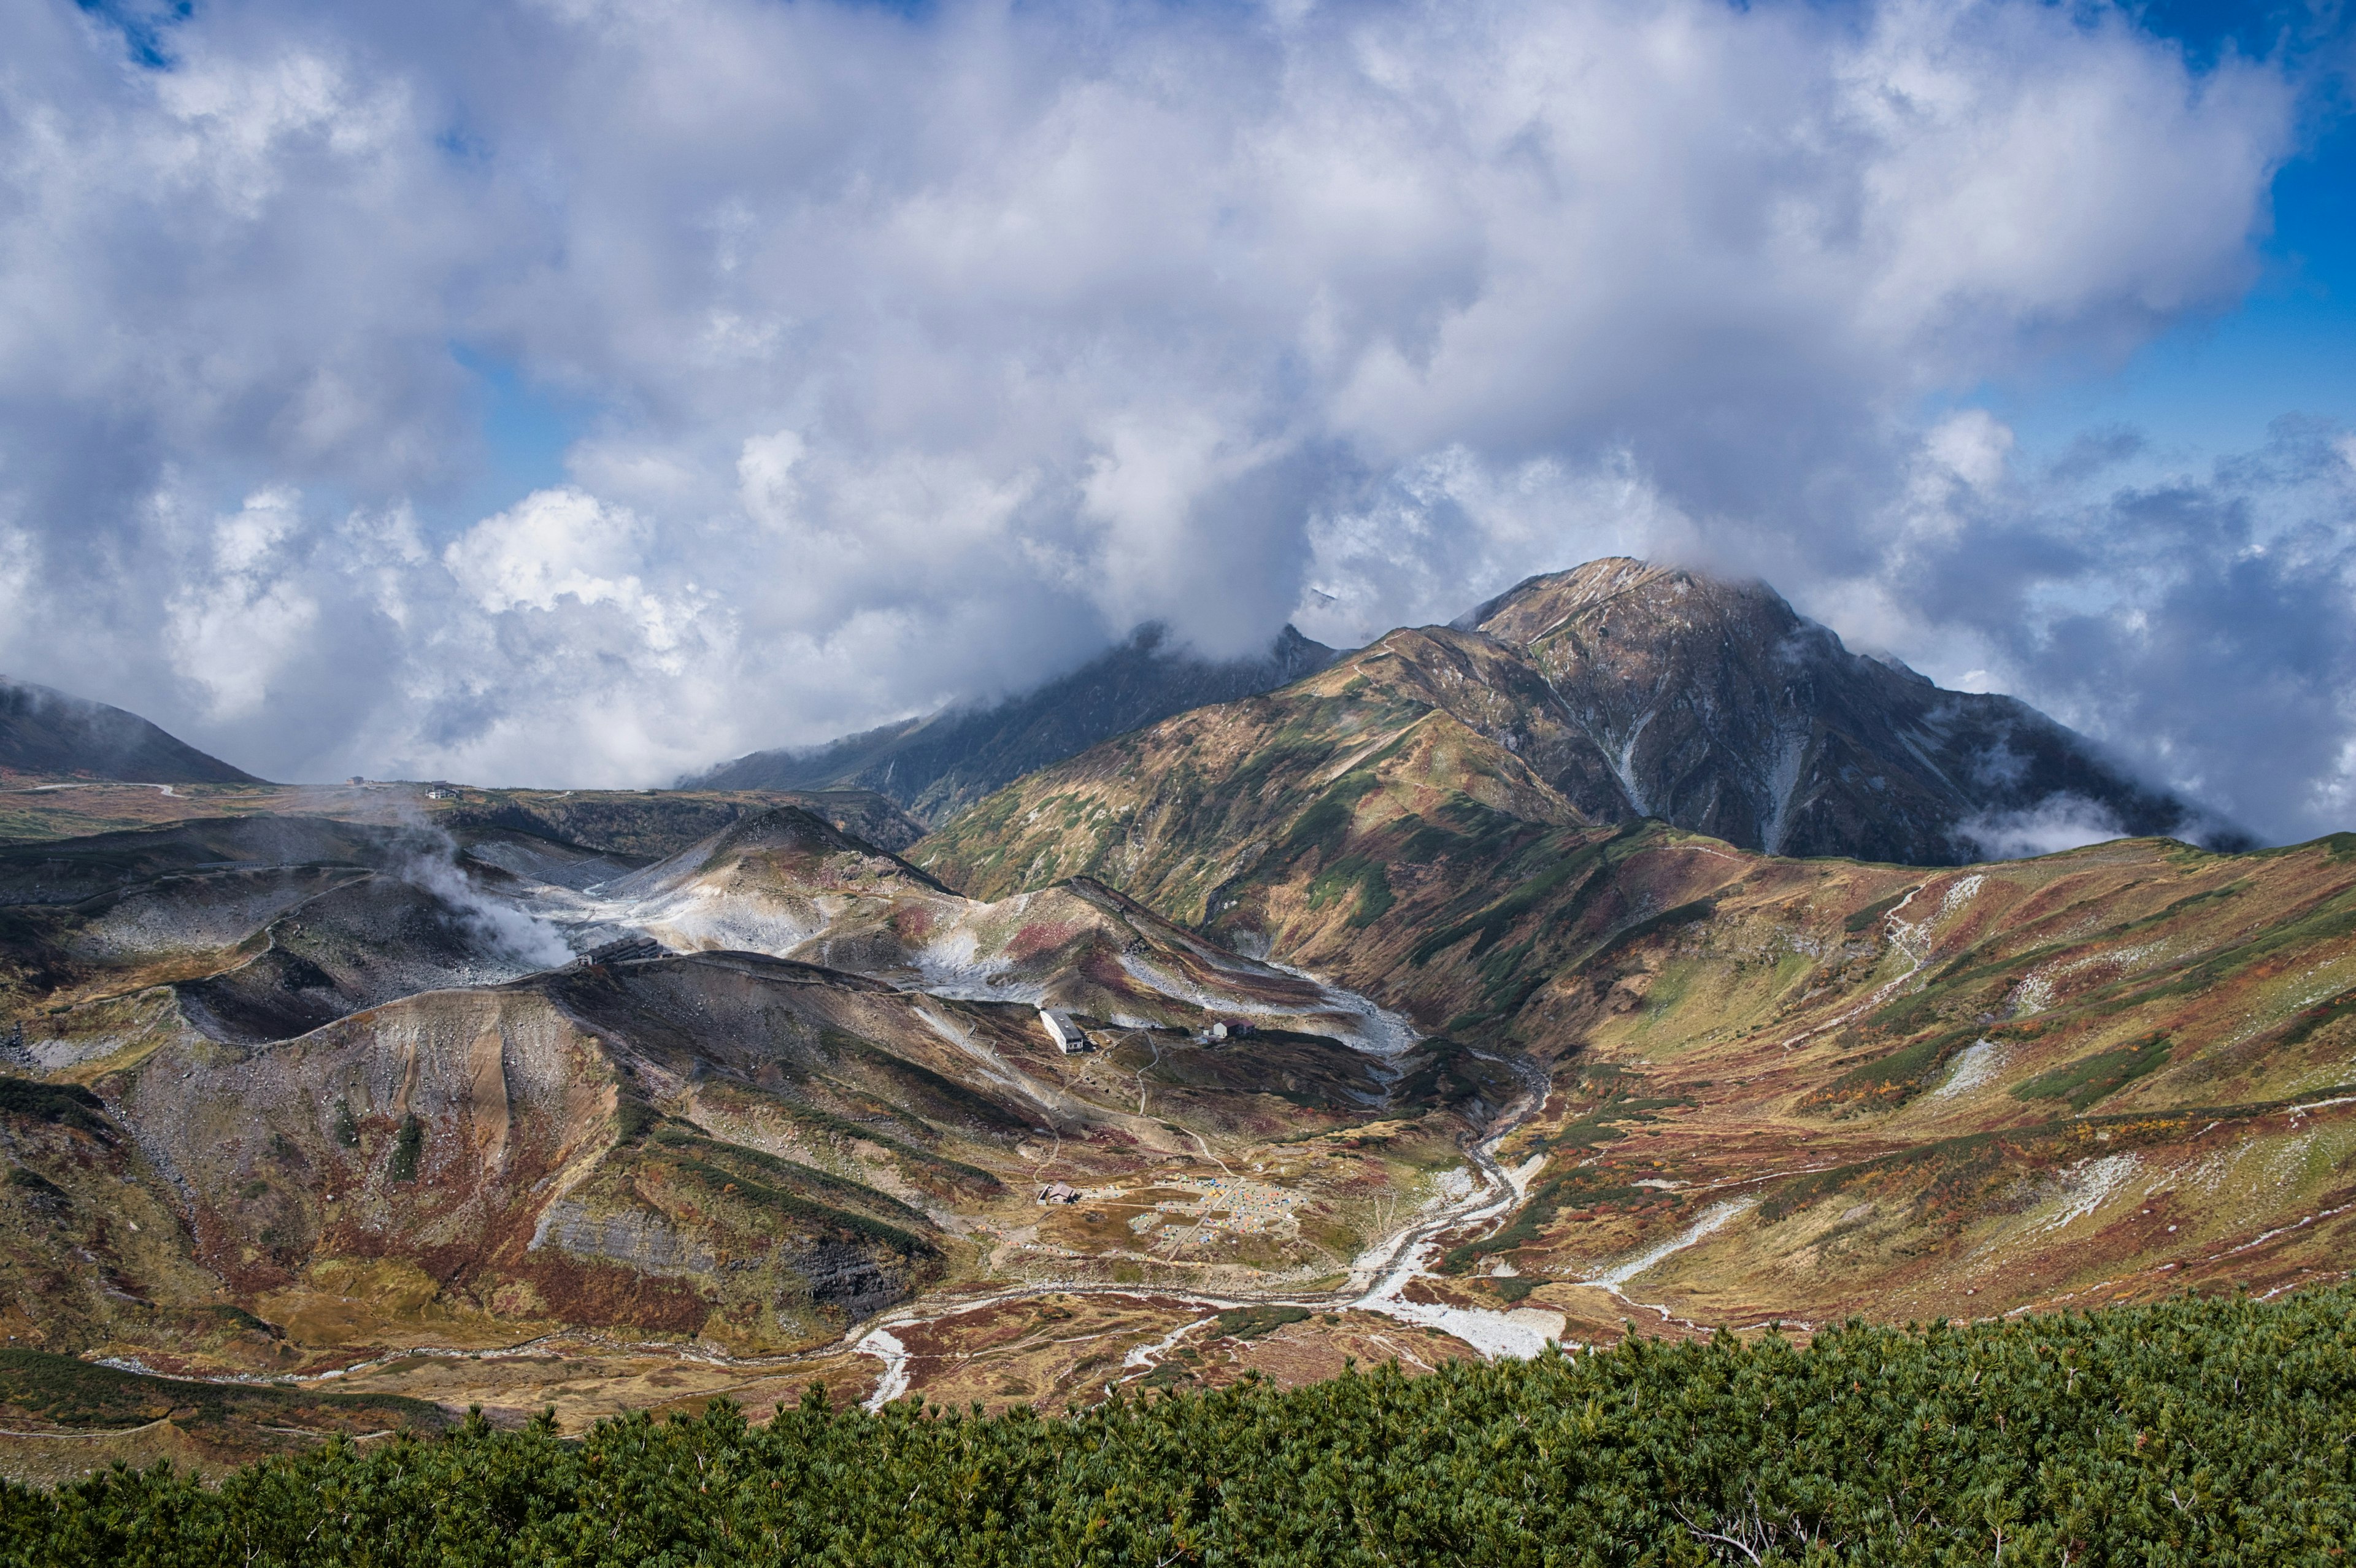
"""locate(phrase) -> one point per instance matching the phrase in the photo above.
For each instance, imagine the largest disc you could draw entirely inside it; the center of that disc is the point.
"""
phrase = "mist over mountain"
(935, 766)
(48, 732)
(446, 405)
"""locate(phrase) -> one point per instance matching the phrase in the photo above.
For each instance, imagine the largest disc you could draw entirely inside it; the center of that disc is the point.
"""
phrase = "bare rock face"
(1715, 706)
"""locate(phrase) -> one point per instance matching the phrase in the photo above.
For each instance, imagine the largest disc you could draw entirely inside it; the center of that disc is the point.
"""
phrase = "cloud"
(2061, 822)
(553, 544)
(924, 355)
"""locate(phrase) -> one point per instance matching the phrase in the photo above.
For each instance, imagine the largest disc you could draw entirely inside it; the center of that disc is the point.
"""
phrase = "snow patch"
(1783, 789)
(2088, 1184)
(1521, 1333)
(1714, 1218)
(1623, 765)
(1975, 1065)
(880, 1344)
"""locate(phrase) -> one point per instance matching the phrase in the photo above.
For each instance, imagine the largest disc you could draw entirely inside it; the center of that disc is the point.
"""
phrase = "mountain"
(1776, 1088)
(1613, 693)
(1713, 705)
(291, 1094)
(1410, 1039)
(289, 1088)
(48, 734)
(935, 766)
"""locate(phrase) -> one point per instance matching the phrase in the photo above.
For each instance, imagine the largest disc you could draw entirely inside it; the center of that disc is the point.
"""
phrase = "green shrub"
(1252, 1322)
(2083, 1082)
(407, 1145)
(2192, 1432)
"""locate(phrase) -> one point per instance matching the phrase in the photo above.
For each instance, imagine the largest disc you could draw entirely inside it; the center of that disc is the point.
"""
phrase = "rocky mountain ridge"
(1410, 1038)
(1617, 692)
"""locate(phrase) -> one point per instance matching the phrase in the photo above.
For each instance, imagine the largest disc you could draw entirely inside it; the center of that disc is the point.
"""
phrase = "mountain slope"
(1800, 1089)
(346, 1081)
(1777, 1087)
(1717, 707)
(290, 1094)
(1613, 693)
(1192, 813)
(51, 733)
(933, 767)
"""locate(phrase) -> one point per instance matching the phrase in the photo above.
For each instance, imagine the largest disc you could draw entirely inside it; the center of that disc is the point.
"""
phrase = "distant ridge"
(935, 766)
(53, 733)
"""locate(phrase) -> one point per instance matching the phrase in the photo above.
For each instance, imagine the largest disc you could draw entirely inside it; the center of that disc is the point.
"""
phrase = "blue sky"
(2211, 385)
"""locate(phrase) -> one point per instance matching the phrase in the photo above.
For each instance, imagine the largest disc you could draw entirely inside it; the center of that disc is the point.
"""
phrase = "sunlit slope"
(1844, 1086)
(724, 1147)
(1201, 809)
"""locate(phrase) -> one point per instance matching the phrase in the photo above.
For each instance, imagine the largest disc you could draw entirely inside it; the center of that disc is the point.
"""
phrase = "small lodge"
(1059, 1192)
(1066, 1034)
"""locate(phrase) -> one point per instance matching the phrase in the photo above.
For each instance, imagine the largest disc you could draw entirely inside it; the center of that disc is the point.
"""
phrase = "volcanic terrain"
(1437, 1004)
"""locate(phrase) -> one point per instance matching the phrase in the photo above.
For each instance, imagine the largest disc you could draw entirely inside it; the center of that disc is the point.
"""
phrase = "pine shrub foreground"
(2195, 1431)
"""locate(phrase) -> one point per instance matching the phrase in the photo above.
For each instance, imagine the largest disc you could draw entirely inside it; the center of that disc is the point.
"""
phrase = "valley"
(1417, 1027)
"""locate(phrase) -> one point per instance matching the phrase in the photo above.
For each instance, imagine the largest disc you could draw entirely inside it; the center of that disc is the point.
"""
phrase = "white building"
(1063, 1030)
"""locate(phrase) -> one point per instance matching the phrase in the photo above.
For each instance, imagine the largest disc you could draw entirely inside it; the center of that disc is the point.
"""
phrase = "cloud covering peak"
(922, 355)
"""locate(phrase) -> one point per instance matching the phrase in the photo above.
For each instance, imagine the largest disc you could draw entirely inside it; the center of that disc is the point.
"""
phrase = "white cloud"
(551, 545)
(927, 354)
(2061, 822)
(1973, 445)
(232, 628)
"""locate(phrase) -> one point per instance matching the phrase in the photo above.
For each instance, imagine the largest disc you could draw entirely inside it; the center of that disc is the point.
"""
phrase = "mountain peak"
(1625, 689)
(1538, 606)
(1718, 707)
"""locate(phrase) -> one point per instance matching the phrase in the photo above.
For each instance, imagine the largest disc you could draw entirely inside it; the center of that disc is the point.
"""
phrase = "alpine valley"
(1627, 952)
